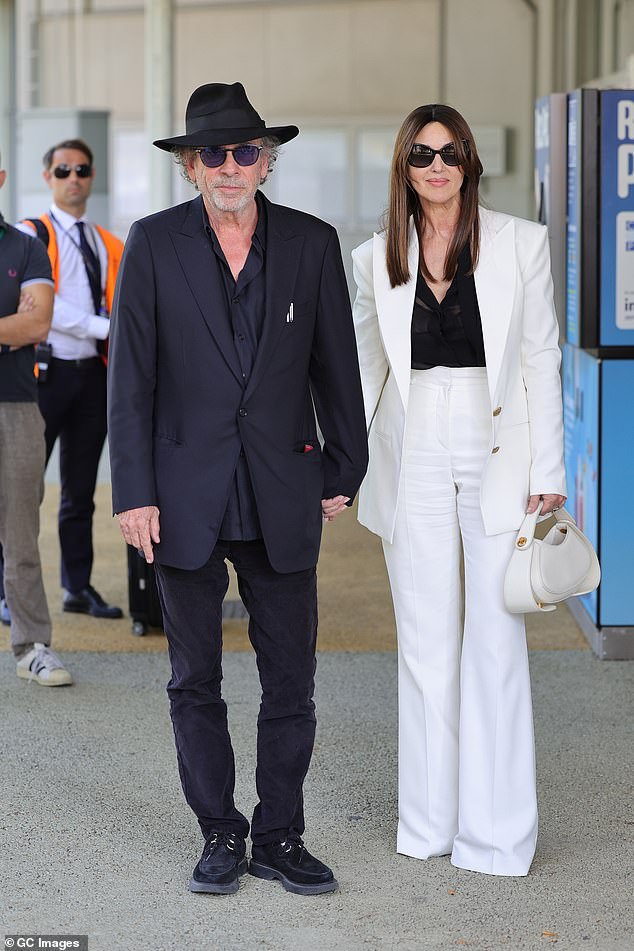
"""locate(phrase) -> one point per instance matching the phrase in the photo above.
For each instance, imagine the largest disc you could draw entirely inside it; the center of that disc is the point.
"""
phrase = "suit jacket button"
(495, 449)
(242, 411)
(497, 410)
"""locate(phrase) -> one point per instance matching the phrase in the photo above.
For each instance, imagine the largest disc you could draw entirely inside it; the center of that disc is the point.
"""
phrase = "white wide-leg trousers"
(466, 749)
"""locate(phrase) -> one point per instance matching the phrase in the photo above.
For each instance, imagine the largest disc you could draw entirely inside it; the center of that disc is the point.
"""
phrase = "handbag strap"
(526, 533)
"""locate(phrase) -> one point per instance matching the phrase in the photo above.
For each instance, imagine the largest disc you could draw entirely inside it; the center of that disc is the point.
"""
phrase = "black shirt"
(23, 261)
(449, 333)
(244, 310)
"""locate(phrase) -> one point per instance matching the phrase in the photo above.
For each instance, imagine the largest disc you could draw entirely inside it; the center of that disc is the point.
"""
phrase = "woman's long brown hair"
(405, 203)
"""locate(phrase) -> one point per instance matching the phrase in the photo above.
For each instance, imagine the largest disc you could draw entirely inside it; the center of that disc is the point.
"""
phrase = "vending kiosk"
(598, 365)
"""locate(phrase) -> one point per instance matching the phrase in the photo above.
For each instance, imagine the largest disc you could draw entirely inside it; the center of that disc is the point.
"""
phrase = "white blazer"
(519, 325)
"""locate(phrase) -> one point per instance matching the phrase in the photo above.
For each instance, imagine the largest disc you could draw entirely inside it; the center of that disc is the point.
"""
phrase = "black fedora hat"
(220, 114)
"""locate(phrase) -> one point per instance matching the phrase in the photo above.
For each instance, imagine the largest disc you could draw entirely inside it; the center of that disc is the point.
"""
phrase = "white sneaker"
(44, 666)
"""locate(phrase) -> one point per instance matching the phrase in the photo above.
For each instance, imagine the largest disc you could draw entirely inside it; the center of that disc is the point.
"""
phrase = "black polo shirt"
(23, 261)
(244, 304)
(449, 333)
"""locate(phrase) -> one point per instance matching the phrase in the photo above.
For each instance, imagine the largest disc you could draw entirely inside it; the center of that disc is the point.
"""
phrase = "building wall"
(334, 65)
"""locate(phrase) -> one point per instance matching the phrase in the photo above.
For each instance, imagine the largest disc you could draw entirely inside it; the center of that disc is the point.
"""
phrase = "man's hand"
(332, 507)
(140, 527)
(550, 503)
(32, 320)
(27, 303)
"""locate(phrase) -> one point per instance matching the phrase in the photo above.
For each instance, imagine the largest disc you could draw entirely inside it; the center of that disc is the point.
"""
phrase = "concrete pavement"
(96, 838)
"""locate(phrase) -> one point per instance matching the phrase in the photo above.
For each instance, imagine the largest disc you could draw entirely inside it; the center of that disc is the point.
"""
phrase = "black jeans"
(283, 631)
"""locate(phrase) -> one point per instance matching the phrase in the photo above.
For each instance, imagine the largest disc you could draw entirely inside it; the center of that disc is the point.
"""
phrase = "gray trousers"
(22, 460)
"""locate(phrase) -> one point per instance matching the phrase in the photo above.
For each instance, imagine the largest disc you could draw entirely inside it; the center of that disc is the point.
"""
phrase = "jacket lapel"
(282, 259)
(394, 307)
(495, 278)
(194, 254)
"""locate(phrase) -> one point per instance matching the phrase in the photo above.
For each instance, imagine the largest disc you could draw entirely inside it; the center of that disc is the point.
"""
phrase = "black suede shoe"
(89, 601)
(221, 864)
(294, 866)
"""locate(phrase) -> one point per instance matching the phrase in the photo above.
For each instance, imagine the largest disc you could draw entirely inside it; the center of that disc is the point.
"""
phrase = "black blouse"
(449, 333)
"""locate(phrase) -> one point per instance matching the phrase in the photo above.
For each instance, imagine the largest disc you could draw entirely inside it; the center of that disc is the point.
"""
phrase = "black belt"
(83, 362)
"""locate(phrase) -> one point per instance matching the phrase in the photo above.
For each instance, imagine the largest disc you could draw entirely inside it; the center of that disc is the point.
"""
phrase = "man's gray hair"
(183, 156)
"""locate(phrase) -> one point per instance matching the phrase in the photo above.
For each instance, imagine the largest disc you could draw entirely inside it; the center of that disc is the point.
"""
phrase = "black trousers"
(73, 404)
(283, 631)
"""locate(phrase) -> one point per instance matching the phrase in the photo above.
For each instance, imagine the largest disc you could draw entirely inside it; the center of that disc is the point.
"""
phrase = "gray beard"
(230, 202)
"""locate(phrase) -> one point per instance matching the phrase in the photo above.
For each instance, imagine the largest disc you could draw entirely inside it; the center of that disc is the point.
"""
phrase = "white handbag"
(544, 571)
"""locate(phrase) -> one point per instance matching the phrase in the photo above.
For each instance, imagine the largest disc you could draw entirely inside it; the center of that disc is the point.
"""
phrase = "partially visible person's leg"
(82, 437)
(191, 602)
(21, 491)
(497, 808)
(283, 630)
(423, 564)
(498, 801)
(21, 488)
(5, 614)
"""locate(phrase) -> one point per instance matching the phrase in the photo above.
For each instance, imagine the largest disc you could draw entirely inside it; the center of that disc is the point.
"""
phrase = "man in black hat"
(231, 327)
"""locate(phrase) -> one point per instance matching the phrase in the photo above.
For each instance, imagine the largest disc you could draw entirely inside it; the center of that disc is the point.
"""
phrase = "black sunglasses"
(63, 171)
(422, 156)
(242, 155)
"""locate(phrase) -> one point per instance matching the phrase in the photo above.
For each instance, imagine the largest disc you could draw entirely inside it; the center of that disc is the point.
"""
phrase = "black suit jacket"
(179, 409)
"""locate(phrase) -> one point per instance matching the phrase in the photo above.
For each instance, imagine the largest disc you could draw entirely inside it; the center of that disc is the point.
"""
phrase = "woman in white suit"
(457, 340)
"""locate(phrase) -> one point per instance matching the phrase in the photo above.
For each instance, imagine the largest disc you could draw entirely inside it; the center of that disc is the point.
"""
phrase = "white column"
(7, 105)
(625, 41)
(608, 62)
(76, 51)
(571, 49)
(159, 69)
(545, 52)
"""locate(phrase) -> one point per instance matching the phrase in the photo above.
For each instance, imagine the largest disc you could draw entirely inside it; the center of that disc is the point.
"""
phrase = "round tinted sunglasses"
(63, 171)
(242, 155)
(422, 156)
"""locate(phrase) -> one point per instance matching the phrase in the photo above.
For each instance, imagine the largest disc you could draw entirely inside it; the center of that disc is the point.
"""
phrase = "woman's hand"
(330, 508)
(550, 503)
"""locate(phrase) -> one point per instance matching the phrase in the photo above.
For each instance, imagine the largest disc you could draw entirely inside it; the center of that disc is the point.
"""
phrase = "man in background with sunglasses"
(231, 326)
(72, 381)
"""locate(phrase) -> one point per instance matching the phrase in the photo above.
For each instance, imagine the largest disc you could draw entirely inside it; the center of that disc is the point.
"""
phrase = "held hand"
(550, 503)
(330, 508)
(140, 527)
(27, 303)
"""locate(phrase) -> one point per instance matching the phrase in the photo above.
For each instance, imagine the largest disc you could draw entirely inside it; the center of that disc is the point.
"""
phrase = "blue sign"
(573, 228)
(617, 218)
(617, 511)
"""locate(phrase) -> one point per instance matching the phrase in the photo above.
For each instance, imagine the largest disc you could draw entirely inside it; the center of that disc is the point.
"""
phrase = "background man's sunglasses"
(242, 155)
(422, 156)
(63, 171)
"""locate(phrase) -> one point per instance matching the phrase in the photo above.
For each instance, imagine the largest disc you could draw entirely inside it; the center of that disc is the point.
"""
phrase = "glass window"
(374, 157)
(312, 175)
(130, 180)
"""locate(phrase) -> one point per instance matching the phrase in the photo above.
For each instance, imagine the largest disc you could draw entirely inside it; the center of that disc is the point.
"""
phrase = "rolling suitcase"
(143, 600)
(145, 608)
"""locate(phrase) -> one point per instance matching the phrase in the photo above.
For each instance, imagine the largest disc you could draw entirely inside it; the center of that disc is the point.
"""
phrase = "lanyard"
(72, 239)
(92, 263)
